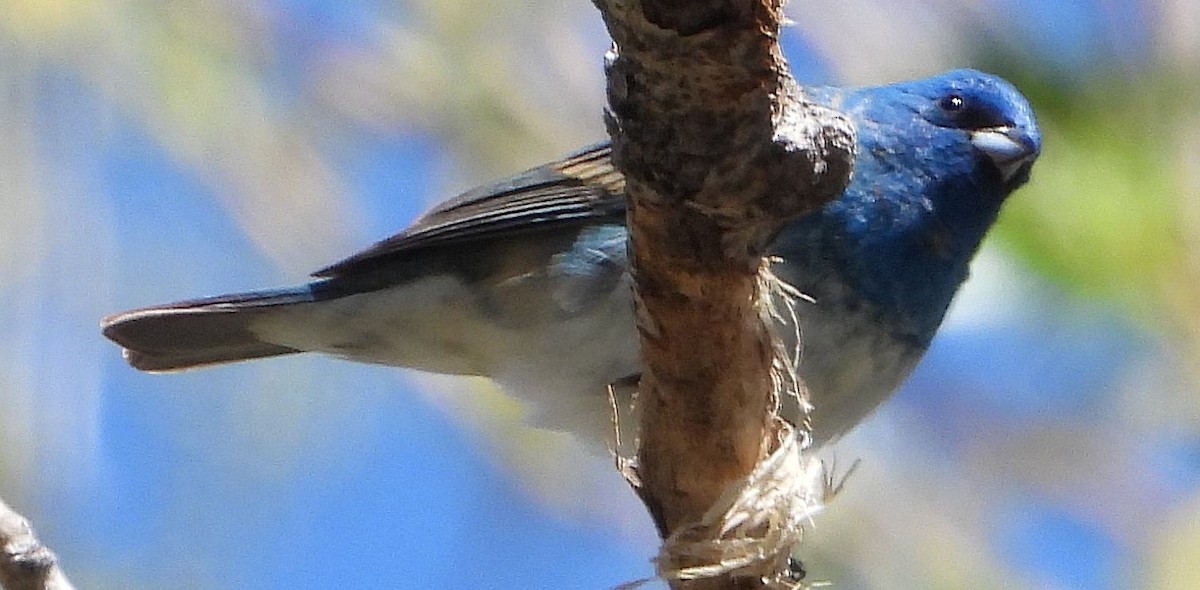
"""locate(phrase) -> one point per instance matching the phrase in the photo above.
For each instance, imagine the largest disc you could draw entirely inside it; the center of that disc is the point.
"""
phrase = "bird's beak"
(1011, 149)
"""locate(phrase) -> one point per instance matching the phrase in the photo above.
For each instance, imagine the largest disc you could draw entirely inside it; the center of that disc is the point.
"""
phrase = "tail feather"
(200, 332)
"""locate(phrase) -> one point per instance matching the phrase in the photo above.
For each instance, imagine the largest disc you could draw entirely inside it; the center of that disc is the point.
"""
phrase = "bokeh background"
(153, 151)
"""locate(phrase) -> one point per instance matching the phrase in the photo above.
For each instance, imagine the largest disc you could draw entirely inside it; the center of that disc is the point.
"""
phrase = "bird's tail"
(200, 332)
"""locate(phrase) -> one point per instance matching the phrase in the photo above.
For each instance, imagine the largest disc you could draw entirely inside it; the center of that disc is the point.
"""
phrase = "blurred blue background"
(152, 151)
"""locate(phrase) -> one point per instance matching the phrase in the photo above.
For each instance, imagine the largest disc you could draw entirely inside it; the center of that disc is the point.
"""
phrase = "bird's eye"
(952, 103)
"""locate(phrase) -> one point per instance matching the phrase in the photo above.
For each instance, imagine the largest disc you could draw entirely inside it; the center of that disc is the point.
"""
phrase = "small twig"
(26, 564)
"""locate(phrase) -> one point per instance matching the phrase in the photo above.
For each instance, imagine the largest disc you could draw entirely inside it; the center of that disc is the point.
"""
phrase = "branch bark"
(720, 150)
(26, 564)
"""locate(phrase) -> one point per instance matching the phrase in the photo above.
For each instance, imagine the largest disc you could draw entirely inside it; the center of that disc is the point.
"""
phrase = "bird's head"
(996, 118)
(936, 160)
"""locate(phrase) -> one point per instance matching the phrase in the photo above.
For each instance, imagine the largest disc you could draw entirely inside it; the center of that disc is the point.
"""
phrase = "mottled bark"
(26, 564)
(719, 149)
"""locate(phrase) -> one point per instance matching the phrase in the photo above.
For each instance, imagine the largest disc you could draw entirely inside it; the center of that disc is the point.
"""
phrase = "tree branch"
(26, 564)
(720, 150)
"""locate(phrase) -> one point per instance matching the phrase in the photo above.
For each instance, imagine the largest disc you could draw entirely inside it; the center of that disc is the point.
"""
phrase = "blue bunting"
(524, 280)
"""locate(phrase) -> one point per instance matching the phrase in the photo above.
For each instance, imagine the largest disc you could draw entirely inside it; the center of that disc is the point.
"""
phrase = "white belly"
(559, 356)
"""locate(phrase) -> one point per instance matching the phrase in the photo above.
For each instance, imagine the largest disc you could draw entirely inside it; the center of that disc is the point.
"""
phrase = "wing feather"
(574, 190)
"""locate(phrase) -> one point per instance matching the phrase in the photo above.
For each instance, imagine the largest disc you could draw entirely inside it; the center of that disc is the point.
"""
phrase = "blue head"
(989, 112)
(936, 159)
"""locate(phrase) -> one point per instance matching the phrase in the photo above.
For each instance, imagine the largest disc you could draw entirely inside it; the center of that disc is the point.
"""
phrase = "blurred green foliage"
(1106, 216)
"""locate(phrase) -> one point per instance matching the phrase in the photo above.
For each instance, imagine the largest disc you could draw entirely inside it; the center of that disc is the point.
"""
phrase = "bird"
(525, 281)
